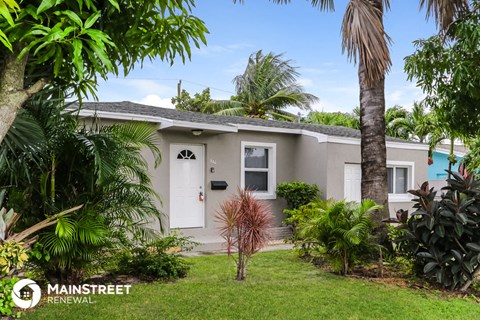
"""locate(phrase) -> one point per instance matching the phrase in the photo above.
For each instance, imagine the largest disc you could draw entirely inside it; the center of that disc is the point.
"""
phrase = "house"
(439, 163)
(207, 157)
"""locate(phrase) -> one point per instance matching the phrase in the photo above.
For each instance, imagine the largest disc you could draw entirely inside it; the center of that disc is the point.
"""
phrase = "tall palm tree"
(267, 86)
(365, 41)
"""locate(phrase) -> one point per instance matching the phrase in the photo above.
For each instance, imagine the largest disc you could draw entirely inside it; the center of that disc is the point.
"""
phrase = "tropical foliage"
(267, 86)
(447, 69)
(98, 166)
(71, 43)
(201, 102)
(244, 223)
(444, 233)
(341, 231)
(349, 120)
(365, 41)
(158, 259)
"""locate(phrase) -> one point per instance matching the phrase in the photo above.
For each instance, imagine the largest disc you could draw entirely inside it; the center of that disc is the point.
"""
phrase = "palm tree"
(267, 86)
(342, 230)
(365, 41)
(97, 166)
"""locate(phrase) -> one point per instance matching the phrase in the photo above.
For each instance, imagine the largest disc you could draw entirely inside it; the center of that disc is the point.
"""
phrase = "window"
(399, 177)
(186, 155)
(258, 169)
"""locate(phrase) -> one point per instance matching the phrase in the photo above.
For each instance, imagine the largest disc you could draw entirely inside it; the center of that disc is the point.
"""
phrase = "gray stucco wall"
(223, 152)
(340, 154)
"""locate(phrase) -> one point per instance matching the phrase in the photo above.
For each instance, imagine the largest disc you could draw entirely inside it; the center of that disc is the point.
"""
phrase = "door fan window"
(186, 155)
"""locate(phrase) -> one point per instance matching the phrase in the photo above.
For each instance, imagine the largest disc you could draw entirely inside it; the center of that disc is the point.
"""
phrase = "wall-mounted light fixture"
(197, 132)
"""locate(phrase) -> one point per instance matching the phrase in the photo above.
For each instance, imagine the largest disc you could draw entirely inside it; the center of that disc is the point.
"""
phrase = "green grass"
(278, 286)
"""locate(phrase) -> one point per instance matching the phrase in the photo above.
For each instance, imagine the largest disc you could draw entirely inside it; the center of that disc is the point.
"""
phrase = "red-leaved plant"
(245, 223)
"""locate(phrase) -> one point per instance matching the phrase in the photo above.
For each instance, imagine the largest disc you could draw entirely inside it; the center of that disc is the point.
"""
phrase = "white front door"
(186, 186)
(353, 182)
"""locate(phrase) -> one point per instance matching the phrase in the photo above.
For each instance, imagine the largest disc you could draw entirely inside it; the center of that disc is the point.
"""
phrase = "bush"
(157, 260)
(298, 193)
(341, 231)
(446, 232)
(7, 306)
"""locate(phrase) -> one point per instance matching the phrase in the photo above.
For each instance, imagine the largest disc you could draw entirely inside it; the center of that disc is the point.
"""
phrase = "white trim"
(403, 197)
(205, 126)
(272, 168)
(232, 127)
(447, 152)
(121, 116)
(249, 127)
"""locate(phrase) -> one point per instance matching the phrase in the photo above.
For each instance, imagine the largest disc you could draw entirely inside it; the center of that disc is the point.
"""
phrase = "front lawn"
(278, 286)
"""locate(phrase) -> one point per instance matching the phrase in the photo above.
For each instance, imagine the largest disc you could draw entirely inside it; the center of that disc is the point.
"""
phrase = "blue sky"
(304, 34)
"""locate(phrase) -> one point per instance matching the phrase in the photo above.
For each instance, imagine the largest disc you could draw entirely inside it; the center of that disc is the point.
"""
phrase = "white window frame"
(272, 168)
(410, 166)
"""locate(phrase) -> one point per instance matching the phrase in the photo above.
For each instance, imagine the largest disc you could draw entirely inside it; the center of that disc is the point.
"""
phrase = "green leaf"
(5, 12)
(114, 3)
(458, 229)
(77, 57)
(473, 246)
(458, 256)
(425, 255)
(4, 40)
(45, 5)
(72, 15)
(429, 267)
(92, 19)
(58, 61)
(440, 230)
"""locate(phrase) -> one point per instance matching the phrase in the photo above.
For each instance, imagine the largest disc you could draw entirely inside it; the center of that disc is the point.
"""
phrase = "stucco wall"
(340, 154)
(222, 152)
(310, 159)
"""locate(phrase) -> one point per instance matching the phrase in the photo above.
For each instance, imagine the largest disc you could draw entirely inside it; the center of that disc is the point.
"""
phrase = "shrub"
(447, 232)
(7, 306)
(297, 193)
(342, 231)
(244, 225)
(157, 260)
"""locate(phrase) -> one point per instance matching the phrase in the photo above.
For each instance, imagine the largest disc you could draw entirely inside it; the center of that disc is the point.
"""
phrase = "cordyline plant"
(244, 226)
(13, 246)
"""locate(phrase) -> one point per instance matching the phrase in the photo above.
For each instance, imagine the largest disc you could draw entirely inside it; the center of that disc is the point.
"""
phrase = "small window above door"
(186, 155)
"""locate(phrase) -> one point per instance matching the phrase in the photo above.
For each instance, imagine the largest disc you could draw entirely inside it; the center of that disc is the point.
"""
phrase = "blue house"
(436, 171)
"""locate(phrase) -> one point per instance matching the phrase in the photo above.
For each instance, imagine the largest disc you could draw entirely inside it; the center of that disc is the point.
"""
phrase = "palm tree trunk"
(373, 147)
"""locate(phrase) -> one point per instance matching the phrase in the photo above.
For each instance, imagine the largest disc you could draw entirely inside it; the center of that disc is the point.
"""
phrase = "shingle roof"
(127, 107)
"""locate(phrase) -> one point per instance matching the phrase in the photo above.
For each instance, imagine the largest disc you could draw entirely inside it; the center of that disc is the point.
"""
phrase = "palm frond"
(364, 38)
(444, 11)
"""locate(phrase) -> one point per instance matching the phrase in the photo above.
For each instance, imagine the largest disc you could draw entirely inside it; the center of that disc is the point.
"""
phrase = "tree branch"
(36, 87)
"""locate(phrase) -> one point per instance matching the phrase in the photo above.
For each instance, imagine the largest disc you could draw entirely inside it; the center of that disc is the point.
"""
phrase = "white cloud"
(156, 101)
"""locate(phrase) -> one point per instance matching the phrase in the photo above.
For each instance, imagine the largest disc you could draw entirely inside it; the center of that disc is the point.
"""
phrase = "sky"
(307, 36)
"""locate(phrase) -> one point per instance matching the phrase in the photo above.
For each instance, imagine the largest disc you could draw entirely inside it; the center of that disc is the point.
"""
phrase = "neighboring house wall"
(436, 171)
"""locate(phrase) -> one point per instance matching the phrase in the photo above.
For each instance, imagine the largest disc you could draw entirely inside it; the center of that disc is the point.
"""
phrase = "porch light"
(197, 132)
